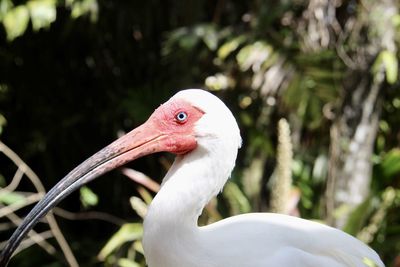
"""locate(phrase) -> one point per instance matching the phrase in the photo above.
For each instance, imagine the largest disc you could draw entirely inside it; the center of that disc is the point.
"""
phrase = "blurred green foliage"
(76, 74)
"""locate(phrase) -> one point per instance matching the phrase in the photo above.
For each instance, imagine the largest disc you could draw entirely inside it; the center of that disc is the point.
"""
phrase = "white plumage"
(173, 239)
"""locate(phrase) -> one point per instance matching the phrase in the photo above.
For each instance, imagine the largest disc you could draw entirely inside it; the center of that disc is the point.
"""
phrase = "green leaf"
(2, 181)
(391, 163)
(5, 6)
(43, 13)
(145, 194)
(320, 168)
(243, 55)
(246, 119)
(80, 8)
(188, 42)
(396, 20)
(9, 198)
(16, 21)
(237, 200)
(139, 206)
(3, 122)
(127, 263)
(253, 55)
(358, 217)
(227, 48)
(369, 262)
(209, 36)
(127, 233)
(390, 62)
(138, 247)
(88, 197)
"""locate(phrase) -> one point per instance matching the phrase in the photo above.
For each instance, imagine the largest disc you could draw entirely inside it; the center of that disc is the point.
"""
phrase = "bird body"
(173, 239)
(259, 240)
(203, 133)
(267, 239)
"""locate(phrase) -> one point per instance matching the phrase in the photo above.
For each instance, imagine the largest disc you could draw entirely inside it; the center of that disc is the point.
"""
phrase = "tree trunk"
(352, 141)
(354, 129)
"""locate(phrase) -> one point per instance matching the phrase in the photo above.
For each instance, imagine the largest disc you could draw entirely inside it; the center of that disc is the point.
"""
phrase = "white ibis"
(202, 132)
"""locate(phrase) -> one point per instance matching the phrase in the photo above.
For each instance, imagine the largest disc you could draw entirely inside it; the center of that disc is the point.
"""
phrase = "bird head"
(217, 124)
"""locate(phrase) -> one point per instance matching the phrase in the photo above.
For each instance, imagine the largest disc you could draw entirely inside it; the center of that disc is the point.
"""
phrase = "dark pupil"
(181, 116)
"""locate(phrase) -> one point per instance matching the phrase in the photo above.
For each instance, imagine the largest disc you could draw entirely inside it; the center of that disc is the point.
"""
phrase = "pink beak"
(144, 140)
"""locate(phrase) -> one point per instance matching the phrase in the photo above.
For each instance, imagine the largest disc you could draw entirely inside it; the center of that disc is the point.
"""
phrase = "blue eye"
(181, 117)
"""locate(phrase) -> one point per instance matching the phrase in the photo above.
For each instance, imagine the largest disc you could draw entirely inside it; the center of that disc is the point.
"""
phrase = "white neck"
(188, 186)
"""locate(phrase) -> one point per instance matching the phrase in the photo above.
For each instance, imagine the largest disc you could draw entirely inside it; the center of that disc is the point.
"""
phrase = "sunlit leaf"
(369, 262)
(16, 21)
(88, 197)
(127, 233)
(227, 48)
(5, 6)
(209, 35)
(389, 61)
(124, 262)
(43, 13)
(138, 246)
(145, 194)
(396, 20)
(243, 55)
(297, 167)
(320, 168)
(391, 66)
(253, 56)
(139, 206)
(218, 82)
(384, 126)
(80, 8)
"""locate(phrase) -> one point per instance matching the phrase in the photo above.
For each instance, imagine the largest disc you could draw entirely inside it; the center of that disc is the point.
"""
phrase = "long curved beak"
(144, 140)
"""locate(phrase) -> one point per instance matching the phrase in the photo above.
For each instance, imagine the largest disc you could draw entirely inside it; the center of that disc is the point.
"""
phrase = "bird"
(202, 132)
